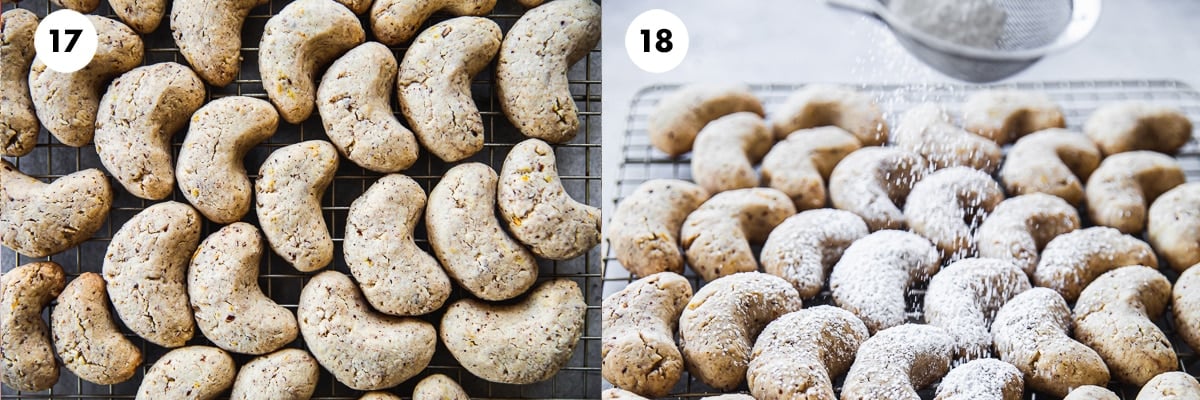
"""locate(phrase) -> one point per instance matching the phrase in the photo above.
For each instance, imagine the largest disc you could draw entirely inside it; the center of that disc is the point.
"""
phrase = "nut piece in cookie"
(86, 337)
(898, 361)
(1115, 316)
(1033, 332)
(949, 205)
(439, 387)
(1135, 125)
(138, 115)
(1020, 227)
(965, 296)
(231, 310)
(66, 104)
(296, 44)
(1185, 305)
(395, 21)
(1072, 260)
(288, 202)
(1005, 115)
(1125, 184)
(519, 343)
(83, 6)
(210, 170)
(209, 35)
(141, 15)
(434, 85)
(39, 219)
(982, 379)
(799, 354)
(820, 105)
(644, 230)
(801, 164)
(1173, 226)
(680, 116)
(193, 372)
(146, 271)
(18, 121)
(354, 102)
(875, 272)
(718, 327)
(396, 276)
(25, 344)
(1171, 385)
(927, 130)
(874, 182)
(537, 208)
(364, 349)
(288, 374)
(1053, 161)
(531, 75)
(726, 151)
(717, 236)
(639, 352)
(804, 248)
(467, 237)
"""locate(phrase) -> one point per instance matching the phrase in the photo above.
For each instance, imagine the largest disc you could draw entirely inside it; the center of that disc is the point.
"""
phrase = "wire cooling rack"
(579, 164)
(642, 162)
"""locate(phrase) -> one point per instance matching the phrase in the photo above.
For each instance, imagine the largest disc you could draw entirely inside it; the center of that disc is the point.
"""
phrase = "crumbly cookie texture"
(948, 206)
(1125, 184)
(141, 15)
(804, 248)
(820, 105)
(354, 102)
(287, 199)
(1170, 385)
(638, 351)
(644, 230)
(83, 6)
(718, 327)
(39, 219)
(364, 349)
(25, 343)
(537, 208)
(208, 33)
(138, 115)
(288, 374)
(439, 387)
(86, 337)
(395, 275)
(1052, 161)
(193, 372)
(874, 183)
(434, 85)
(210, 170)
(1135, 125)
(1020, 227)
(799, 354)
(18, 120)
(146, 272)
(801, 164)
(231, 310)
(1073, 260)
(66, 104)
(717, 236)
(396, 21)
(726, 151)
(982, 379)
(1186, 306)
(296, 44)
(519, 343)
(1033, 332)
(965, 296)
(875, 272)
(1006, 115)
(928, 130)
(467, 237)
(531, 74)
(680, 116)
(1115, 316)
(898, 361)
(1173, 226)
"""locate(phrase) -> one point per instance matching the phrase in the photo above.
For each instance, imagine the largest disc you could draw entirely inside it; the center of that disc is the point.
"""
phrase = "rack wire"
(642, 162)
(579, 165)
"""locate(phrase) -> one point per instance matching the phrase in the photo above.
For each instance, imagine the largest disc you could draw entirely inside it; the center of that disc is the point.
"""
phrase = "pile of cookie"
(164, 281)
(1024, 292)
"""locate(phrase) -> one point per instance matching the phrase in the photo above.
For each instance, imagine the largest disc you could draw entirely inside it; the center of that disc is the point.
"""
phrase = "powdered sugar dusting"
(805, 246)
(875, 273)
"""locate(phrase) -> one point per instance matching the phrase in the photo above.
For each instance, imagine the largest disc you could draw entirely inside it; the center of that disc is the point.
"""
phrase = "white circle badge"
(65, 41)
(656, 41)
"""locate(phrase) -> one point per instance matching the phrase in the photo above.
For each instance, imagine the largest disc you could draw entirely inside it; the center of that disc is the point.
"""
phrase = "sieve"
(1032, 29)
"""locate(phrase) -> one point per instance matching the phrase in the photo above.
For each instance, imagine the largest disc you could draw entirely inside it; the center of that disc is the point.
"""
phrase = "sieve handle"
(870, 7)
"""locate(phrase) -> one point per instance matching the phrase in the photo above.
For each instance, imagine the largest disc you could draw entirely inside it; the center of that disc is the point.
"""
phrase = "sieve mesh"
(1033, 23)
(579, 164)
(641, 162)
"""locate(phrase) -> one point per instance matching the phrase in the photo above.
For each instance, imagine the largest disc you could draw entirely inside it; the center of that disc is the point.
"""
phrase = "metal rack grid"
(579, 164)
(641, 162)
